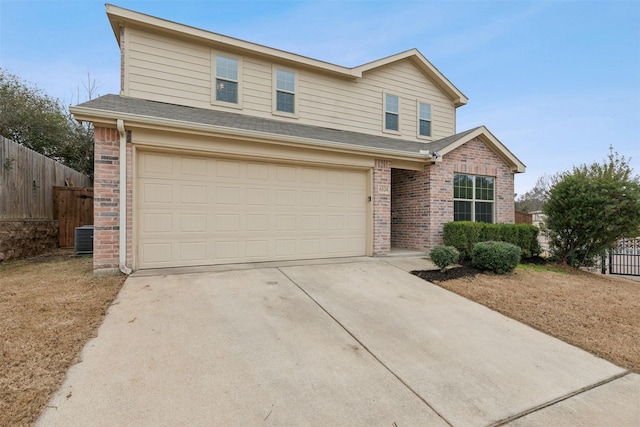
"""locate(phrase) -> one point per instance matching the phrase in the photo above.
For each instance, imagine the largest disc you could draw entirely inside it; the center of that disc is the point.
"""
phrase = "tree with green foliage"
(590, 208)
(31, 118)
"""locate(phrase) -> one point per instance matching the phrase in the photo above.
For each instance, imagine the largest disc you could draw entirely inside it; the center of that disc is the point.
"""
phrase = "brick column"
(382, 207)
(106, 199)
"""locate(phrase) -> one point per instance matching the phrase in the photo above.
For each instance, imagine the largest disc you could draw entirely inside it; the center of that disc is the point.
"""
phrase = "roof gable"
(426, 67)
(119, 17)
(447, 145)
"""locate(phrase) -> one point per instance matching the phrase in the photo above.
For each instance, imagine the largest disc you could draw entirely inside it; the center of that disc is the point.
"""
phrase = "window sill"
(284, 114)
(227, 105)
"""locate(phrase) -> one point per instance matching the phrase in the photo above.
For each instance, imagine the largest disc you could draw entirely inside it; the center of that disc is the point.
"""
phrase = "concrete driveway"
(342, 342)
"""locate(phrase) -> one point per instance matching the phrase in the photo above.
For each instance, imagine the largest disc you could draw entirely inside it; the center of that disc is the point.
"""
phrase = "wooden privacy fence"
(523, 218)
(27, 179)
(72, 207)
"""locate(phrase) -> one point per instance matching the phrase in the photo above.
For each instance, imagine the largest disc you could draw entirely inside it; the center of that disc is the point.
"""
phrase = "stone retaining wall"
(26, 238)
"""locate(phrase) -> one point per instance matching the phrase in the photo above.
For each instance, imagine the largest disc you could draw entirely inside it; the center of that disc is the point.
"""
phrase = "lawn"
(51, 306)
(598, 313)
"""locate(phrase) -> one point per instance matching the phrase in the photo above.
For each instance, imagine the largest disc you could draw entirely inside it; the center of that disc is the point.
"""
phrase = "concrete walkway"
(341, 342)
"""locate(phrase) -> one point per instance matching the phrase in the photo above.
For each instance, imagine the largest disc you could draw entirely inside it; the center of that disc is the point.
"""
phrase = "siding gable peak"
(426, 67)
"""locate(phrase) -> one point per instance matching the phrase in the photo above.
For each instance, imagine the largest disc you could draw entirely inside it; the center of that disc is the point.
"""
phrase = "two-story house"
(227, 151)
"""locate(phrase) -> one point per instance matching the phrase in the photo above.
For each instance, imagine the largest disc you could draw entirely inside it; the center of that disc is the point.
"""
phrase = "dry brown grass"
(600, 314)
(50, 307)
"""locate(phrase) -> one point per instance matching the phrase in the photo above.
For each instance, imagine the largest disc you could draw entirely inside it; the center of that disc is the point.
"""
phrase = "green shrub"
(463, 235)
(499, 257)
(443, 256)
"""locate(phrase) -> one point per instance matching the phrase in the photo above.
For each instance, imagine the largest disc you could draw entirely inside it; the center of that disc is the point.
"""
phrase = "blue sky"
(555, 81)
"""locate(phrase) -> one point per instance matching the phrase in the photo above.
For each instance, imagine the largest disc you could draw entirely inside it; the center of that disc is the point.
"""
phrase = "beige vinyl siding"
(179, 71)
(168, 70)
(405, 80)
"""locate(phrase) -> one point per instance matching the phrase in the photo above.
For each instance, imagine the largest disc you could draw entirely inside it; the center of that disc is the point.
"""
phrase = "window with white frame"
(391, 113)
(473, 198)
(424, 119)
(285, 91)
(227, 79)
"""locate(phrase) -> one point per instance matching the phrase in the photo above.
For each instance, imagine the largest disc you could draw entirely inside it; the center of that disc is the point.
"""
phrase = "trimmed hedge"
(499, 257)
(463, 235)
(443, 256)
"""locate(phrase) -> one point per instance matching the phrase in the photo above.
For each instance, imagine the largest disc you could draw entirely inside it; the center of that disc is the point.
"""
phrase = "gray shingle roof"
(141, 107)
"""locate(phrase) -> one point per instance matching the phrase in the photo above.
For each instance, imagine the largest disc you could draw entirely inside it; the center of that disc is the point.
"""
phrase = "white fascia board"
(458, 98)
(494, 143)
(119, 16)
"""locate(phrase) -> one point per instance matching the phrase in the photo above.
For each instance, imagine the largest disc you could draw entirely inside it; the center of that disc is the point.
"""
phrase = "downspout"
(122, 241)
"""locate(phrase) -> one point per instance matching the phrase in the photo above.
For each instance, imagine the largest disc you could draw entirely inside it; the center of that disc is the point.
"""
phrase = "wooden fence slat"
(523, 217)
(27, 179)
(73, 207)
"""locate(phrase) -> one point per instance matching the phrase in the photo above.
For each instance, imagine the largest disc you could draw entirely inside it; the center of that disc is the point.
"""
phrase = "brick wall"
(423, 201)
(382, 207)
(107, 199)
(410, 209)
(475, 158)
(27, 238)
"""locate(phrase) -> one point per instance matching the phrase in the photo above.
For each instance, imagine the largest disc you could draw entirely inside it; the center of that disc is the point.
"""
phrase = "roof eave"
(458, 98)
(494, 143)
(120, 17)
(109, 118)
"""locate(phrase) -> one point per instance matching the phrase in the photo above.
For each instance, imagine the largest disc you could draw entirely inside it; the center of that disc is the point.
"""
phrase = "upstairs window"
(285, 91)
(424, 119)
(473, 198)
(391, 113)
(226, 79)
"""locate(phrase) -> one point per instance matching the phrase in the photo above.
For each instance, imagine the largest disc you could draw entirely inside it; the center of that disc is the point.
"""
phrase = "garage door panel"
(157, 192)
(227, 169)
(193, 251)
(191, 166)
(193, 223)
(201, 211)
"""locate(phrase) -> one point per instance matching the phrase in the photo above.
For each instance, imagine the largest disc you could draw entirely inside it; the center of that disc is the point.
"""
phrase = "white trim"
(214, 77)
(474, 200)
(275, 90)
(492, 142)
(384, 113)
(418, 119)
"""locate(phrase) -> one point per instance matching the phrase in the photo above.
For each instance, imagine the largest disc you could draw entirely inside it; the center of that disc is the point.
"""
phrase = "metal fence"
(624, 258)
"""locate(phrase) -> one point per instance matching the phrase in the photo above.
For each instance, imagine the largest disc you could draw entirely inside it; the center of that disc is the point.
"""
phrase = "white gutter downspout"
(122, 241)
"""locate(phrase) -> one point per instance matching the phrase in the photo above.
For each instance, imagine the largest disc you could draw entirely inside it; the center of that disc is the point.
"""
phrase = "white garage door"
(202, 211)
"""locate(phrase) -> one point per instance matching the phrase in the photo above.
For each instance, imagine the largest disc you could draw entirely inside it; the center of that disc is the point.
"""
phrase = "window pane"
(285, 80)
(484, 188)
(425, 128)
(462, 187)
(285, 102)
(425, 111)
(391, 104)
(461, 211)
(226, 68)
(226, 91)
(484, 212)
(391, 121)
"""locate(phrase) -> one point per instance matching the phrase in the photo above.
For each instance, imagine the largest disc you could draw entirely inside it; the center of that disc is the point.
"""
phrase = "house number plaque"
(384, 189)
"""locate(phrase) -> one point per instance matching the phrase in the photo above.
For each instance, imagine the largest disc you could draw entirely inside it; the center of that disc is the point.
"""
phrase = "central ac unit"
(84, 240)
